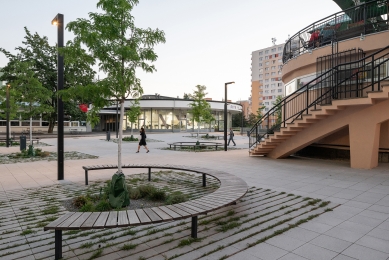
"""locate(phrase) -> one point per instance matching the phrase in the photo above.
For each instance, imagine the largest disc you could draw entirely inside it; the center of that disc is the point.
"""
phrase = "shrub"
(146, 190)
(129, 138)
(134, 194)
(176, 197)
(80, 201)
(158, 195)
(88, 207)
(103, 205)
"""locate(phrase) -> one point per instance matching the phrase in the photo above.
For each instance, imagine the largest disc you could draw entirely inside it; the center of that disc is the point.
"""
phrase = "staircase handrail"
(304, 89)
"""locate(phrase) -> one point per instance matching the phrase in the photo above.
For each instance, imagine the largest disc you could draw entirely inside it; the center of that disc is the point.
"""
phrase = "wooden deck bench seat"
(231, 189)
(193, 144)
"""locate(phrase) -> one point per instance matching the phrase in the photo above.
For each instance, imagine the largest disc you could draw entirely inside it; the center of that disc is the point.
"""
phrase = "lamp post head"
(232, 82)
(8, 85)
(56, 20)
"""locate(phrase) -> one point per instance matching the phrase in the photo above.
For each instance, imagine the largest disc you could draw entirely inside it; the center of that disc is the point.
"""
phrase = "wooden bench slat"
(152, 215)
(101, 220)
(170, 212)
(88, 224)
(69, 220)
(77, 224)
(179, 211)
(112, 220)
(193, 208)
(142, 216)
(123, 219)
(132, 217)
(161, 213)
(58, 221)
(186, 209)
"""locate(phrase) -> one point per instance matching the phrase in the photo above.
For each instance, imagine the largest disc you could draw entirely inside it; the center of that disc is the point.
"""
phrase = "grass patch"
(27, 232)
(50, 210)
(128, 247)
(188, 241)
(96, 254)
(86, 245)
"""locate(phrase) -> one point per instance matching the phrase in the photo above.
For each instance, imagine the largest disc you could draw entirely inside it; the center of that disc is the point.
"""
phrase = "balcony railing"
(367, 18)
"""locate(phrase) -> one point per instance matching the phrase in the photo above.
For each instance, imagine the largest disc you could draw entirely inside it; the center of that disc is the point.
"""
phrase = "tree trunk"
(132, 129)
(120, 137)
(31, 131)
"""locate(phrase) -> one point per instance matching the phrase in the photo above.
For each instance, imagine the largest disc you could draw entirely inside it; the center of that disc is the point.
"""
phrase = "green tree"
(133, 113)
(29, 92)
(119, 48)
(237, 120)
(252, 119)
(200, 108)
(260, 112)
(186, 96)
(37, 51)
(278, 112)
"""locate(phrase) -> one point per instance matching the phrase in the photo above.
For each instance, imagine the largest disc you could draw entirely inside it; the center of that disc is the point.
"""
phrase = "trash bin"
(22, 142)
(108, 135)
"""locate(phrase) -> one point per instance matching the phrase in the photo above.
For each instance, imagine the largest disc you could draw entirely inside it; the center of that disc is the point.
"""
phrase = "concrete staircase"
(315, 125)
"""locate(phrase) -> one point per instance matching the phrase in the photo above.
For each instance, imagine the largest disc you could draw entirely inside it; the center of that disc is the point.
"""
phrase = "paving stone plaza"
(295, 208)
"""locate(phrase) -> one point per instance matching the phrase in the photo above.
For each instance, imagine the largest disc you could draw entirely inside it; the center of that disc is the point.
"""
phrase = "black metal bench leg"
(149, 174)
(86, 177)
(194, 227)
(58, 244)
(204, 180)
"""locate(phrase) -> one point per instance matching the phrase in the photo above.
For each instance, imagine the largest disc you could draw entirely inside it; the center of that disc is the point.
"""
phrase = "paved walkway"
(358, 229)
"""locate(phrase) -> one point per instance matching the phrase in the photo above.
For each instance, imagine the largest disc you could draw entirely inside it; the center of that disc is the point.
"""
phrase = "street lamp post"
(7, 116)
(225, 114)
(59, 22)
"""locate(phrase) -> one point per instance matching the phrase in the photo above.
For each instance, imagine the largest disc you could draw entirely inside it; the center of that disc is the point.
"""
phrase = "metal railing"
(348, 80)
(367, 18)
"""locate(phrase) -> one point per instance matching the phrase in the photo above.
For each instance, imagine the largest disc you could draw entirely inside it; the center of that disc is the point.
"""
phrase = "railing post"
(204, 180)
(378, 76)
(284, 106)
(364, 18)
(149, 173)
(86, 177)
(372, 73)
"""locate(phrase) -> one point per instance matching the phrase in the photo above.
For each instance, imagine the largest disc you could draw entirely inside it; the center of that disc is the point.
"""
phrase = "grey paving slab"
(285, 242)
(311, 251)
(374, 243)
(291, 256)
(330, 243)
(266, 251)
(364, 253)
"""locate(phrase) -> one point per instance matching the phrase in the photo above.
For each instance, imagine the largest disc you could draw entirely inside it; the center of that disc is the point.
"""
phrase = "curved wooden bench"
(194, 145)
(231, 189)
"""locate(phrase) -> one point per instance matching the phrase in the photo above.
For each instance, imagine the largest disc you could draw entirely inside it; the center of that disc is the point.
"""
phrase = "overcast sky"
(208, 42)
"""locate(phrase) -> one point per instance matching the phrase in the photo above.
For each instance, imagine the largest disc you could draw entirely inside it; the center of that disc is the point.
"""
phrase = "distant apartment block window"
(266, 57)
(260, 64)
(273, 97)
(279, 48)
(261, 81)
(266, 103)
(273, 91)
(266, 91)
(266, 109)
(260, 92)
(273, 50)
(279, 84)
(279, 90)
(267, 63)
(261, 87)
(273, 79)
(279, 67)
(279, 73)
(270, 56)
(260, 70)
(266, 86)
(273, 67)
(266, 74)
(273, 73)
(279, 61)
(275, 55)
(273, 62)
(260, 53)
(273, 85)
(266, 80)
(267, 51)
(260, 76)
(260, 58)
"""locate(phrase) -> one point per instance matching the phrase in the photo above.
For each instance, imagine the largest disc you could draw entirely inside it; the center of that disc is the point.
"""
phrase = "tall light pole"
(7, 116)
(225, 113)
(59, 22)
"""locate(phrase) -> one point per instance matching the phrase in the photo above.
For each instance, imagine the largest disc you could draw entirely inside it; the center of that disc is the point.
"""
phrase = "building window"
(267, 51)
(266, 74)
(276, 55)
(279, 67)
(260, 53)
(266, 57)
(279, 84)
(273, 62)
(273, 67)
(260, 70)
(260, 76)
(273, 85)
(280, 48)
(267, 69)
(279, 72)
(273, 73)
(266, 103)
(266, 80)
(266, 91)
(267, 63)
(273, 91)
(273, 50)
(270, 56)
(279, 90)
(266, 109)
(260, 64)
(261, 81)
(279, 61)
(260, 58)
(260, 92)
(266, 86)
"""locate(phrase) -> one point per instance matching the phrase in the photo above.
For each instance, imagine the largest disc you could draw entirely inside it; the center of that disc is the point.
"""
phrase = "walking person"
(231, 137)
(142, 141)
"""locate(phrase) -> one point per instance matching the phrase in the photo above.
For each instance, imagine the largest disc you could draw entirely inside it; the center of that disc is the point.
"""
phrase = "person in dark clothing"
(142, 141)
(231, 137)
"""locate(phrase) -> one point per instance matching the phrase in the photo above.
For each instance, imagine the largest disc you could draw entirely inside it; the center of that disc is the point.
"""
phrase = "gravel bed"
(9, 158)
